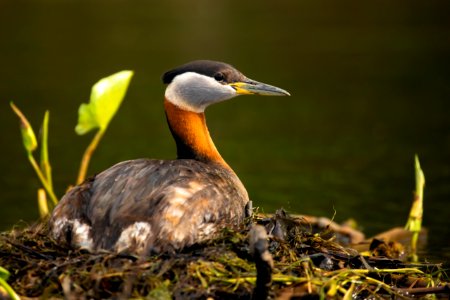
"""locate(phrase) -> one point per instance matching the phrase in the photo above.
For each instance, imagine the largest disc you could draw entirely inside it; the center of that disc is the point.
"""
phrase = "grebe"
(147, 205)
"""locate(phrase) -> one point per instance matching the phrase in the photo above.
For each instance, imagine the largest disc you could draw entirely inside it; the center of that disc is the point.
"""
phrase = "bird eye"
(219, 77)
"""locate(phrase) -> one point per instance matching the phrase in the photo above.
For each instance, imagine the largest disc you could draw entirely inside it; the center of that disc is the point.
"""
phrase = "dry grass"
(305, 264)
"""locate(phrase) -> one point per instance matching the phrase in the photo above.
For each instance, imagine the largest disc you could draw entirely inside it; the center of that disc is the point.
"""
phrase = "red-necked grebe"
(147, 205)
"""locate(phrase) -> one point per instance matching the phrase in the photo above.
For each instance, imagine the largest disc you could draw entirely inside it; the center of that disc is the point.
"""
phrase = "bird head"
(198, 84)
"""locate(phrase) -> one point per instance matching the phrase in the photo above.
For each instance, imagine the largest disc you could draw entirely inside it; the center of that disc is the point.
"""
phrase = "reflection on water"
(369, 85)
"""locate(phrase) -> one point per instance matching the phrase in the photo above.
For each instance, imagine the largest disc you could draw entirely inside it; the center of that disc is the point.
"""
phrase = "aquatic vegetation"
(30, 143)
(304, 264)
(106, 96)
(5, 288)
(414, 223)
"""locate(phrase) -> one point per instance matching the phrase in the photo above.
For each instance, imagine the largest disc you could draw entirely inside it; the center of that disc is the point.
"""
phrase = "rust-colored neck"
(191, 135)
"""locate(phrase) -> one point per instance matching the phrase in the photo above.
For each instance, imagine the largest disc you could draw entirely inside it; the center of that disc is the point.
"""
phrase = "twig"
(429, 290)
(263, 260)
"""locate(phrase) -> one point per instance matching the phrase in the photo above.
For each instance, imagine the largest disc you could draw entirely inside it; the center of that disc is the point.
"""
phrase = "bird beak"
(252, 87)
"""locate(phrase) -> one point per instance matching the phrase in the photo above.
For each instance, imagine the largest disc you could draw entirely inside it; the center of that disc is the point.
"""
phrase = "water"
(369, 84)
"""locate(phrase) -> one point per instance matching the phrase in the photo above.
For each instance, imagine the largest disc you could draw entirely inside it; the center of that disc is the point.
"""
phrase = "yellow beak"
(252, 87)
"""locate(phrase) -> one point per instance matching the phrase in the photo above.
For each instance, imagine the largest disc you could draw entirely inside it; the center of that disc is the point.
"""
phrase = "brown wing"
(150, 204)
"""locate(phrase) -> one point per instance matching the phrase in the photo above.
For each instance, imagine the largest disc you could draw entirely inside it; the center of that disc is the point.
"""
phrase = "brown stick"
(430, 290)
(263, 261)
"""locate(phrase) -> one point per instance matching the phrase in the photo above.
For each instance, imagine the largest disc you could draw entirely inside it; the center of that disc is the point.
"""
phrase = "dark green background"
(370, 86)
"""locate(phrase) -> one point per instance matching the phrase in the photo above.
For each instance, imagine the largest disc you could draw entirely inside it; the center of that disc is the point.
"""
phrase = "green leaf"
(420, 178)
(45, 163)
(28, 136)
(414, 222)
(42, 203)
(8, 289)
(106, 97)
(4, 273)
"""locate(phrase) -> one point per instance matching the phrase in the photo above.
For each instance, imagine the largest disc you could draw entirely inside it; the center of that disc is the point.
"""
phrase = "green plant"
(4, 275)
(106, 96)
(30, 143)
(414, 223)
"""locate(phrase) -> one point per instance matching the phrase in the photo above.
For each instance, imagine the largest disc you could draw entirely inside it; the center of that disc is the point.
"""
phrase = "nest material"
(298, 263)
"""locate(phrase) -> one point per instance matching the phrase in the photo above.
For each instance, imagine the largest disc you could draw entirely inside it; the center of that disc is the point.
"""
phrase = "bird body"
(146, 205)
(151, 205)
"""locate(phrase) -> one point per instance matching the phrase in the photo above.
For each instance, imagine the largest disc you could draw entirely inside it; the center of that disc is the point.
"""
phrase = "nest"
(290, 258)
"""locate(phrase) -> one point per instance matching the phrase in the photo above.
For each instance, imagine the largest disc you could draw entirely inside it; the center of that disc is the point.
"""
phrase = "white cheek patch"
(194, 92)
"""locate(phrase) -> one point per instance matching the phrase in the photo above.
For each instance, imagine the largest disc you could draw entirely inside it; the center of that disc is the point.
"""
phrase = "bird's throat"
(191, 135)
